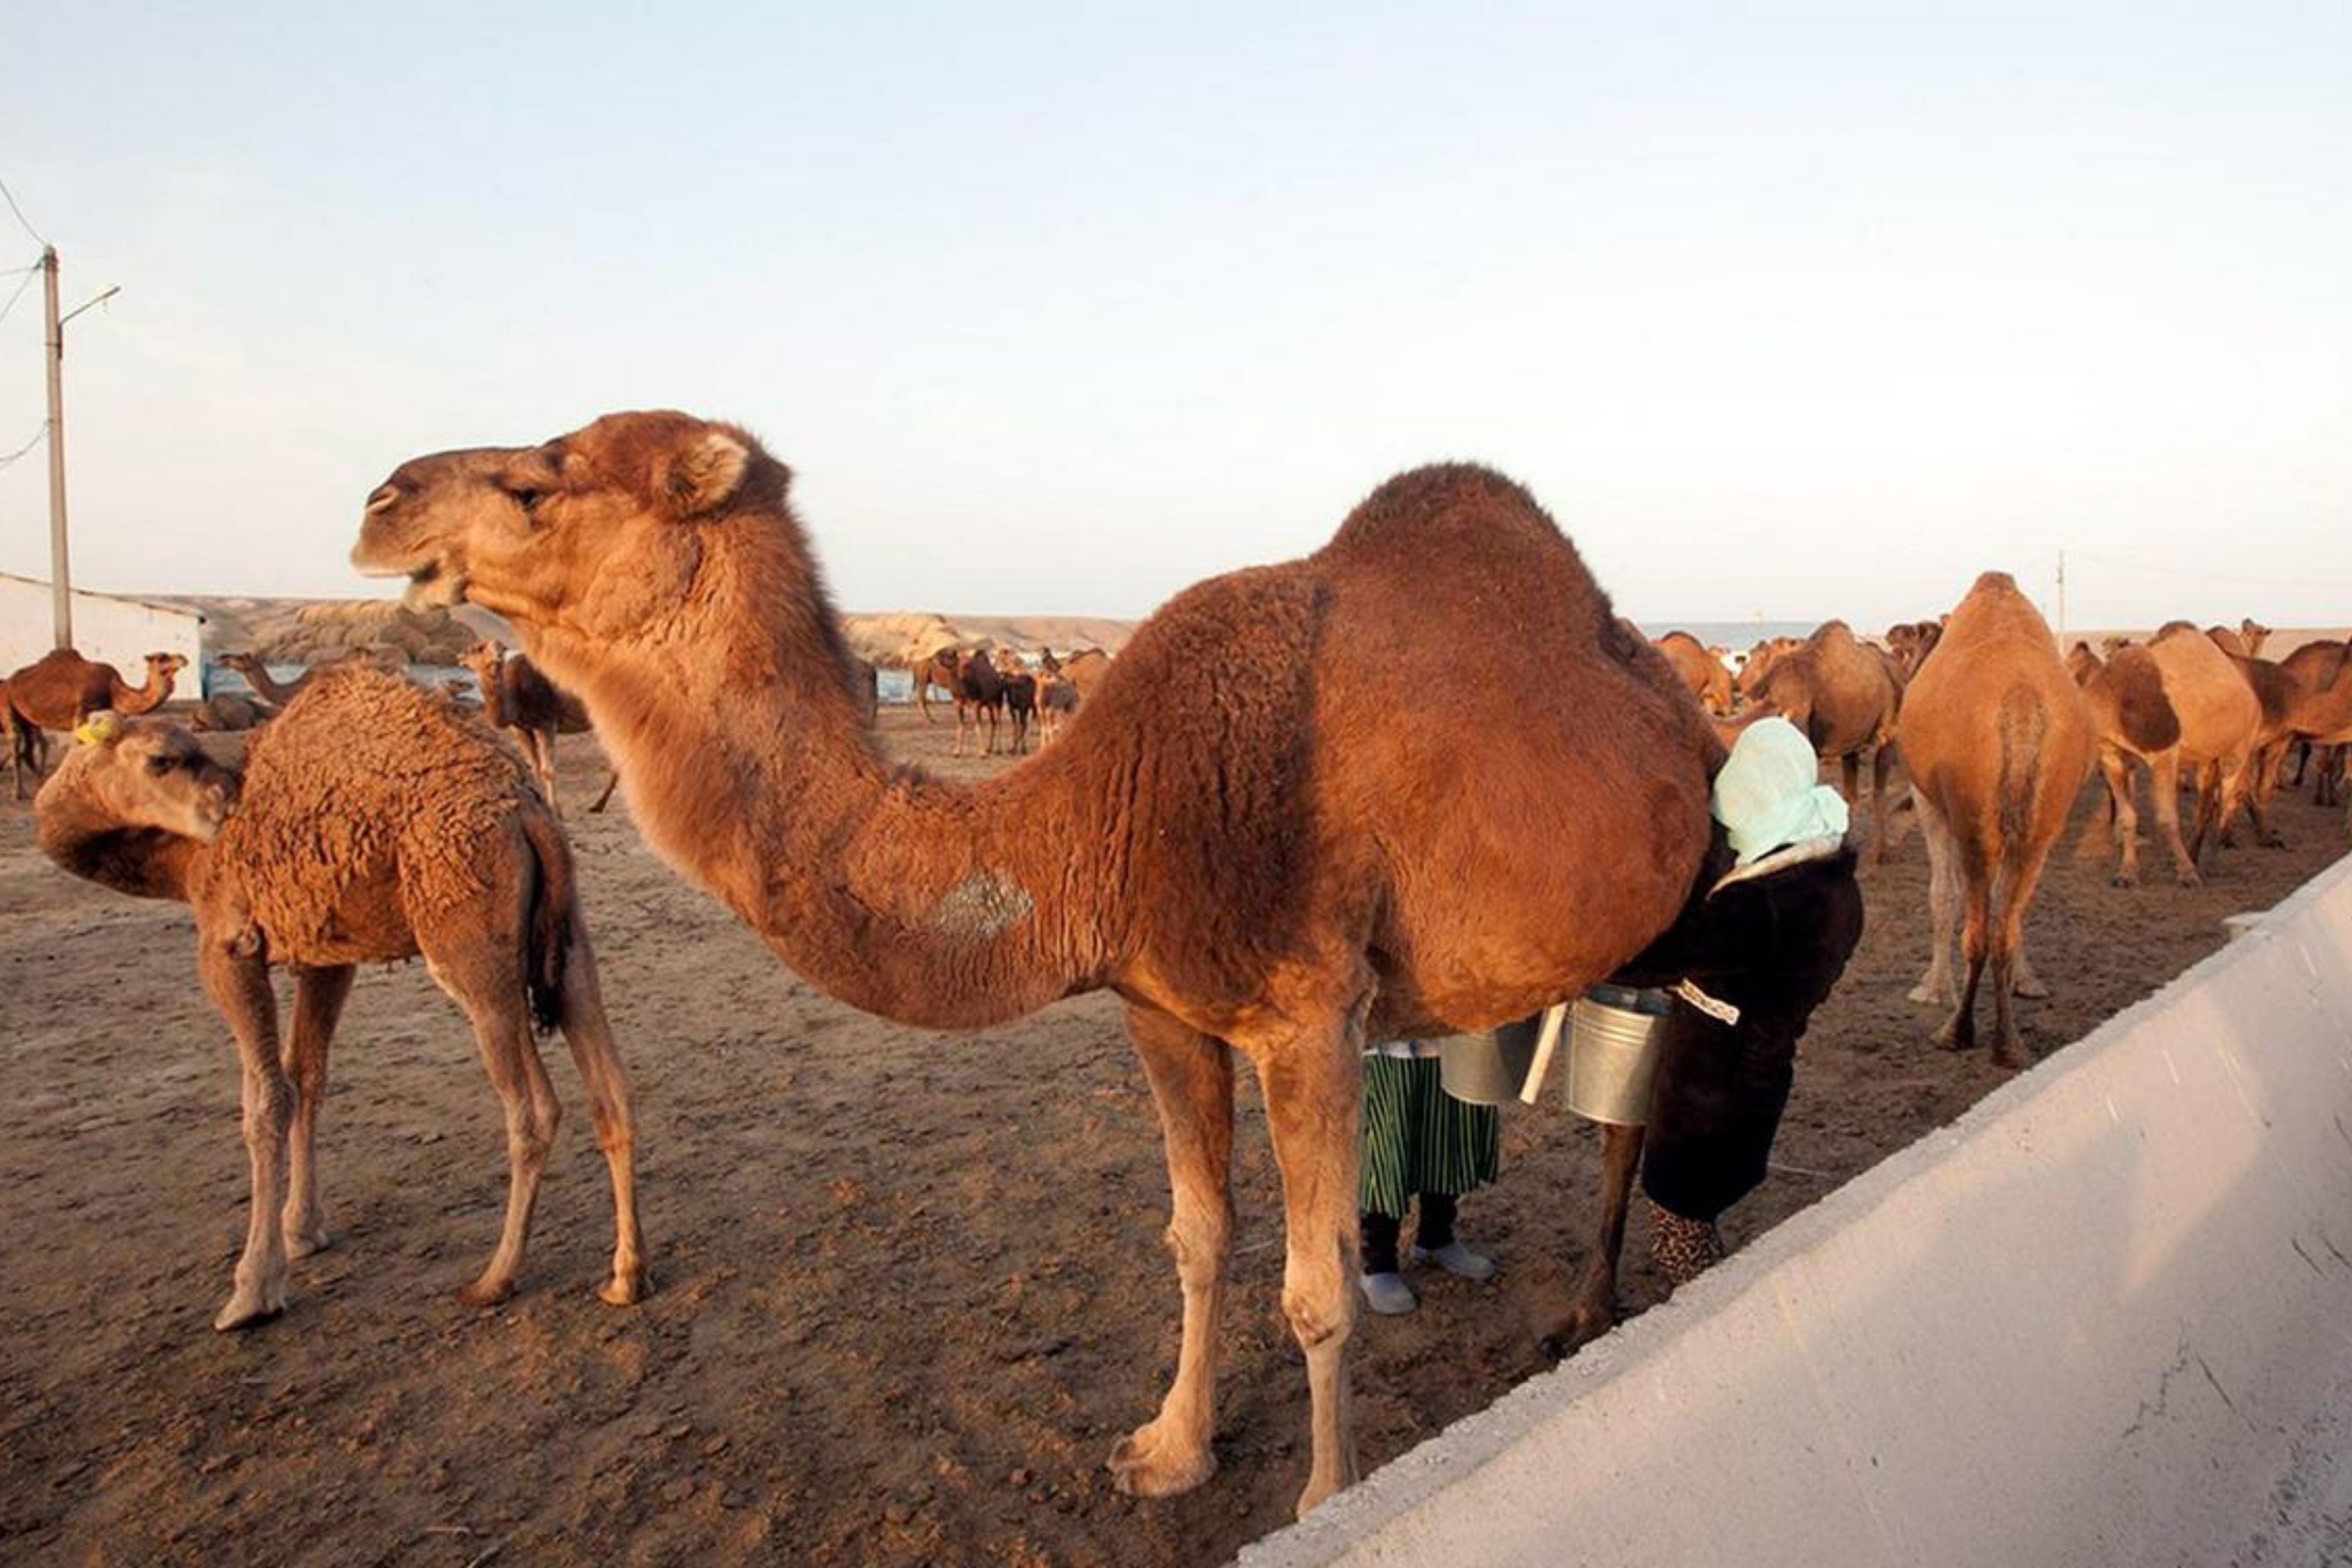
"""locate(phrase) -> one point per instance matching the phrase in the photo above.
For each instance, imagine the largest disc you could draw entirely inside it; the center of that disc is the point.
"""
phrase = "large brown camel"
(1707, 676)
(60, 688)
(516, 696)
(372, 823)
(1845, 696)
(2221, 721)
(1999, 741)
(1283, 862)
(2135, 720)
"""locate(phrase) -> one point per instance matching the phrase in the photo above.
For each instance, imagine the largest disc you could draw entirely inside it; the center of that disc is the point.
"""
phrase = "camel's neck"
(493, 682)
(749, 766)
(135, 699)
(145, 862)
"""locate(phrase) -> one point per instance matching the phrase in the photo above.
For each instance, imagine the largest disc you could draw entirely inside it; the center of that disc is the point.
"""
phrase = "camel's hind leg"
(2164, 781)
(1976, 874)
(318, 996)
(2008, 944)
(480, 968)
(1191, 1078)
(1943, 902)
(611, 785)
(1595, 1311)
(239, 986)
(590, 1036)
(1313, 1086)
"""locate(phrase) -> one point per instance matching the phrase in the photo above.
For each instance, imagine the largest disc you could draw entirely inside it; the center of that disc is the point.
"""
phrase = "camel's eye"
(527, 498)
(162, 764)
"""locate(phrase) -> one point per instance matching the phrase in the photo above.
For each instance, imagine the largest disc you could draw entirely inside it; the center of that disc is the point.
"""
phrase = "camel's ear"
(704, 475)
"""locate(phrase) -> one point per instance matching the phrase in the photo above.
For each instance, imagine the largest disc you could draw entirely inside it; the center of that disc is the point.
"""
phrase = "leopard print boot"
(1682, 1248)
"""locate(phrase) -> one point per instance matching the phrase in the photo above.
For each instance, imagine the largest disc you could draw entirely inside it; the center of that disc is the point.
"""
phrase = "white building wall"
(120, 632)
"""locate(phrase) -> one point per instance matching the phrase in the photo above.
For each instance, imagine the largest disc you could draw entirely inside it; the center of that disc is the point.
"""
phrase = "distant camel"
(2315, 667)
(2243, 641)
(1276, 865)
(265, 686)
(1846, 696)
(1911, 642)
(516, 696)
(2135, 720)
(60, 688)
(973, 682)
(372, 823)
(1759, 661)
(2279, 694)
(1999, 741)
(1020, 696)
(226, 711)
(1705, 675)
(2221, 720)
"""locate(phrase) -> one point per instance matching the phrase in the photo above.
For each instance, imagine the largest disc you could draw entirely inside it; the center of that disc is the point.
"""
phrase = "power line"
(21, 217)
(26, 283)
(27, 446)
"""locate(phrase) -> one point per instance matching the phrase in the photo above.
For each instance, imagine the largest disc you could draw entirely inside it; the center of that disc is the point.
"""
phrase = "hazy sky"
(1802, 310)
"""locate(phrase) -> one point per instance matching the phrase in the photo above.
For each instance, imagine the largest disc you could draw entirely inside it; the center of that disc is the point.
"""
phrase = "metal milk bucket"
(1486, 1069)
(1612, 1053)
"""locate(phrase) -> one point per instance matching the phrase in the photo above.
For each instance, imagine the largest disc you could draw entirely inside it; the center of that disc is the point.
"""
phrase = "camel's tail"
(2023, 778)
(549, 939)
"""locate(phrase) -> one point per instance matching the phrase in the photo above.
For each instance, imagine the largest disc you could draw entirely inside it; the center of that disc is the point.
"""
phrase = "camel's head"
(483, 658)
(164, 666)
(601, 532)
(143, 773)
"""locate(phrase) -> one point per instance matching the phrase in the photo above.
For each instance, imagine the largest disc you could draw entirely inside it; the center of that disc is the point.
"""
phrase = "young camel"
(372, 823)
(1999, 741)
(2135, 720)
(61, 689)
(1282, 862)
(2221, 721)
(516, 696)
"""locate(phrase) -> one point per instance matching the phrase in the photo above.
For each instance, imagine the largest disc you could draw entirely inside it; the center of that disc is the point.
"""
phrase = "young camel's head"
(164, 666)
(133, 774)
(600, 532)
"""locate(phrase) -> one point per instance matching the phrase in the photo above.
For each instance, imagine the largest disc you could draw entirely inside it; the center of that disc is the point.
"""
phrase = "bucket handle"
(1546, 1043)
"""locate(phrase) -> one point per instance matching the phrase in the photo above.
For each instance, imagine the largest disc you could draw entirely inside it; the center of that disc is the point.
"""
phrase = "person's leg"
(1382, 1189)
(1460, 1150)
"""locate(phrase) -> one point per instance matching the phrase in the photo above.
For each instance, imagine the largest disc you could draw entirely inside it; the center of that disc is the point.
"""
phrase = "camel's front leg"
(239, 986)
(1313, 1087)
(1191, 1078)
(1595, 1312)
(318, 996)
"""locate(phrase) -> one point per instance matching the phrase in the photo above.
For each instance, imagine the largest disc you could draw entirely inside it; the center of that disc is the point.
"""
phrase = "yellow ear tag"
(100, 730)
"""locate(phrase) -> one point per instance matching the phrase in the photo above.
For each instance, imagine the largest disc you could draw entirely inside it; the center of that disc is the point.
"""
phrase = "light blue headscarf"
(1770, 793)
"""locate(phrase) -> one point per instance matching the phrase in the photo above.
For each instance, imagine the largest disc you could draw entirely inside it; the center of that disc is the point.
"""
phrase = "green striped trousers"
(1419, 1139)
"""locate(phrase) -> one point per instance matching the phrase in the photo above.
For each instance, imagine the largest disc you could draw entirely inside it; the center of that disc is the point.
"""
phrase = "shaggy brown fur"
(1999, 741)
(61, 689)
(1284, 861)
(1698, 670)
(516, 696)
(2135, 720)
(374, 822)
(1846, 696)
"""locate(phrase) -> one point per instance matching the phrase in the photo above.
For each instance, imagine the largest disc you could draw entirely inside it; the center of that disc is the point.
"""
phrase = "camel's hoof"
(2274, 840)
(1952, 1038)
(2011, 1056)
(2033, 987)
(2189, 878)
(1319, 1492)
(1147, 1464)
(623, 1290)
(1581, 1328)
(246, 1309)
(1924, 992)
(299, 1244)
(485, 1292)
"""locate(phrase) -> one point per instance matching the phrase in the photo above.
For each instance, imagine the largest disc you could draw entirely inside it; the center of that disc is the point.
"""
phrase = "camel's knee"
(1200, 1237)
(268, 1111)
(1319, 1316)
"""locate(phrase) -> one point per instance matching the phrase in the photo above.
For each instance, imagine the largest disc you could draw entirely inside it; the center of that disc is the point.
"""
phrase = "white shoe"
(1387, 1294)
(1457, 1259)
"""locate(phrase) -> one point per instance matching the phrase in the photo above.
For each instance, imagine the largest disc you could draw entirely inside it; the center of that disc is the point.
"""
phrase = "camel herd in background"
(1224, 927)
(1998, 733)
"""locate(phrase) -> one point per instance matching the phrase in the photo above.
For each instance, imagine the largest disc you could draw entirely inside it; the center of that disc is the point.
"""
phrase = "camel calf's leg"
(586, 1031)
(1191, 1078)
(611, 785)
(1943, 902)
(319, 996)
(493, 994)
(1313, 1090)
(239, 988)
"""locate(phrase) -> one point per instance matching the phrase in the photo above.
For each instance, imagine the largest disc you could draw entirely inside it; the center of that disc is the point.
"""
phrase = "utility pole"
(60, 586)
(2061, 599)
(61, 576)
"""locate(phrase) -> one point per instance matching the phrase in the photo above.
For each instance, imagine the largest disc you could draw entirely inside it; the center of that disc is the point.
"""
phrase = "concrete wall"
(2105, 1318)
(120, 632)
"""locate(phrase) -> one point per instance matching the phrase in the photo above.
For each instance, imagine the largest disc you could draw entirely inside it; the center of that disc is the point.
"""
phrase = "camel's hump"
(1442, 505)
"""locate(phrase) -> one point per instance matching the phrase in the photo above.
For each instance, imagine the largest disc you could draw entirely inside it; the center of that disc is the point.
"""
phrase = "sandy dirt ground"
(909, 1288)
